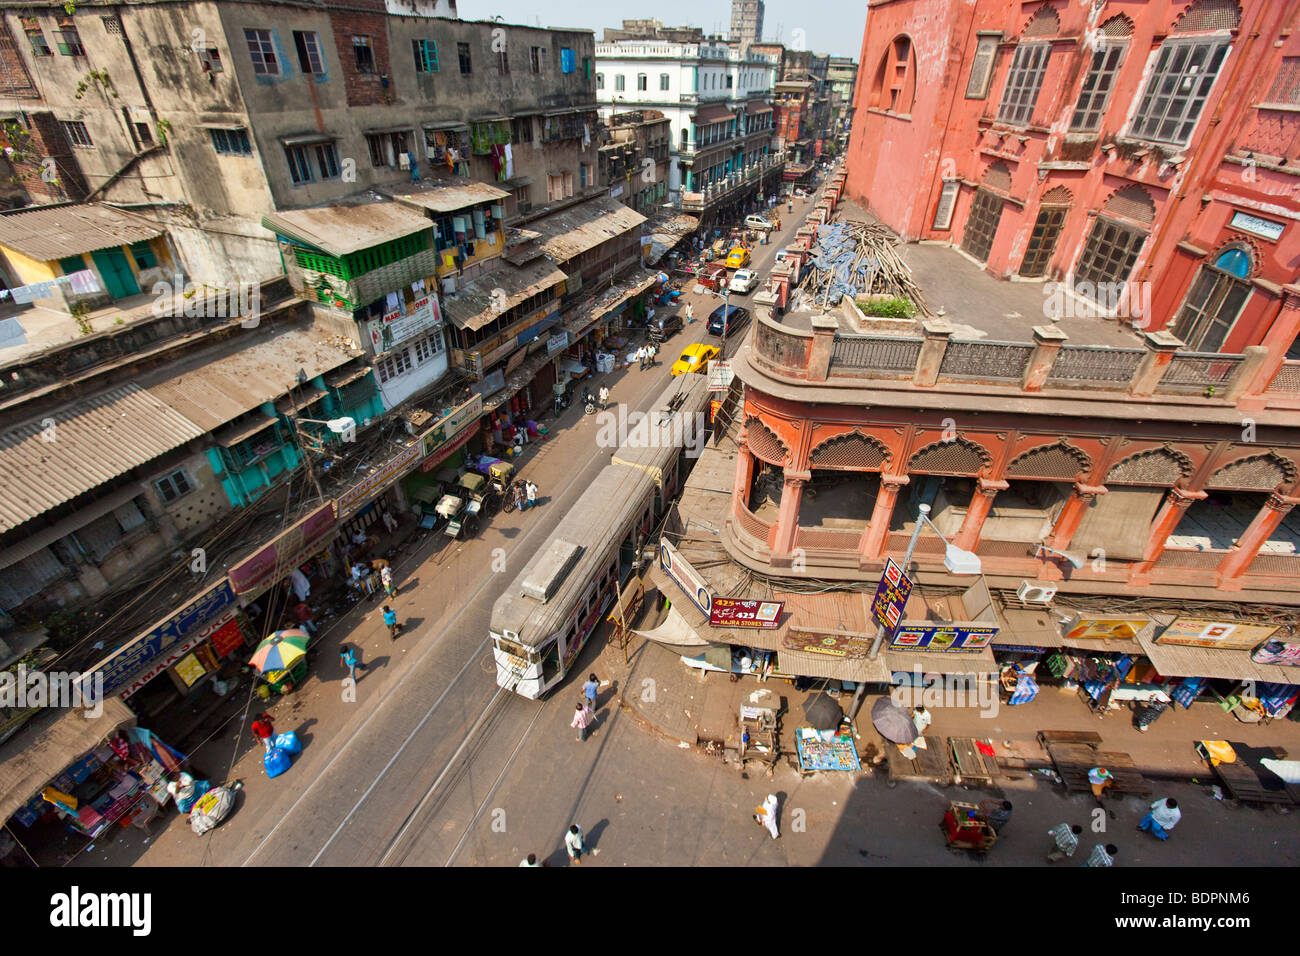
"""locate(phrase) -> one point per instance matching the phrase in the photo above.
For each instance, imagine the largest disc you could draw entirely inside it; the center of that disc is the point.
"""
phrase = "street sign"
(720, 375)
(733, 612)
(891, 596)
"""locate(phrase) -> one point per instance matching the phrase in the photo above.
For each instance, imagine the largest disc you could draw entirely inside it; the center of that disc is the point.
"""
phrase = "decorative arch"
(1057, 196)
(1255, 473)
(1045, 23)
(1156, 466)
(894, 86)
(764, 443)
(961, 456)
(855, 451)
(1207, 16)
(1238, 258)
(1132, 202)
(1060, 461)
(1117, 27)
(998, 176)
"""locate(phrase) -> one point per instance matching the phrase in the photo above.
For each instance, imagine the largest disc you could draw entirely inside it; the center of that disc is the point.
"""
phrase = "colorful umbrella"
(279, 651)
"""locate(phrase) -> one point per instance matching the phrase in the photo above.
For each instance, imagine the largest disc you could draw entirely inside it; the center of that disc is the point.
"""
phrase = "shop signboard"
(891, 596)
(720, 376)
(381, 478)
(395, 328)
(1105, 629)
(189, 669)
(227, 639)
(942, 637)
(446, 451)
(220, 625)
(1264, 228)
(685, 577)
(254, 575)
(839, 644)
(449, 425)
(733, 612)
(216, 602)
(1226, 635)
(1279, 653)
(557, 343)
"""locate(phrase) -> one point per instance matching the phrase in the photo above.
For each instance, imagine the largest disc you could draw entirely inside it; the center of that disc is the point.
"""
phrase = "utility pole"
(921, 518)
(297, 437)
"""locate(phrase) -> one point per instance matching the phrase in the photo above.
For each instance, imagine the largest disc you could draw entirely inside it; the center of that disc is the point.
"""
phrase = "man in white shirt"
(1164, 816)
(574, 845)
(921, 719)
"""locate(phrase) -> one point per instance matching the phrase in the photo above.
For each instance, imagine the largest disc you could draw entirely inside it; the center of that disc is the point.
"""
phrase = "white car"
(743, 281)
(757, 222)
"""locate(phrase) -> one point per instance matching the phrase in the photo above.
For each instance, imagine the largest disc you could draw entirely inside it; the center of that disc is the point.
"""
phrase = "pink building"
(1147, 149)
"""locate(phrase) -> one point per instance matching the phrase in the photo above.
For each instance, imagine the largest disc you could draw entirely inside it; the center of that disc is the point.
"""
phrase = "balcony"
(716, 192)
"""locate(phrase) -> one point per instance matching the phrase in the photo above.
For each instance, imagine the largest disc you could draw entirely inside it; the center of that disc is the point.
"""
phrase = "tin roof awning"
(1176, 660)
(233, 435)
(473, 307)
(346, 376)
(300, 139)
(343, 229)
(49, 234)
(442, 196)
(300, 398)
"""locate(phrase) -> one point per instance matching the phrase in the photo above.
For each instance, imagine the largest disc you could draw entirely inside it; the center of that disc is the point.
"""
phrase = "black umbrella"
(822, 712)
(894, 723)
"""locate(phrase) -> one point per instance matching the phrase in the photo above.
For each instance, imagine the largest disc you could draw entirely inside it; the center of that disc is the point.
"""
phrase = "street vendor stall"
(281, 660)
(826, 750)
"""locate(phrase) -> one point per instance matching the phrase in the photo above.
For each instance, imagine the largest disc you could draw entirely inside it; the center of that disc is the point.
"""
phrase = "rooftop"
(476, 303)
(57, 231)
(573, 231)
(445, 195)
(344, 228)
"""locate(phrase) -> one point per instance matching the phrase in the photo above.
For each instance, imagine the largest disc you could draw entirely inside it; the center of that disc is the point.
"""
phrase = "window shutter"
(947, 202)
(977, 87)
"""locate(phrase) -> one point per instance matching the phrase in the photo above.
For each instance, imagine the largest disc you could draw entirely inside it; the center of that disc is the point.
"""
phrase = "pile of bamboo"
(860, 259)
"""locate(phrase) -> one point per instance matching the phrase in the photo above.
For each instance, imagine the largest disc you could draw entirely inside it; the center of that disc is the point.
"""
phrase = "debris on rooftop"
(859, 259)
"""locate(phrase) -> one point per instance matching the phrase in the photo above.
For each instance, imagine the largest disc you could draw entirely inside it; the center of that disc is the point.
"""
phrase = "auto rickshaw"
(452, 509)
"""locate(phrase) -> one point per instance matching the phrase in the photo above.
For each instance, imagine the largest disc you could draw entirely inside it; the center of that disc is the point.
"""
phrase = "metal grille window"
(426, 56)
(231, 142)
(982, 224)
(1286, 85)
(1176, 92)
(77, 134)
(385, 148)
(143, 254)
(1023, 83)
(1110, 252)
(69, 42)
(26, 578)
(1042, 241)
(1097, 86)
(309, 56)
(261, 52)
(521, 129)
(1211, 309)
(299, 165)
(947, 202)
(327, 160)
(462, 53)
(173, 486)
(365, 56)
(112, 25)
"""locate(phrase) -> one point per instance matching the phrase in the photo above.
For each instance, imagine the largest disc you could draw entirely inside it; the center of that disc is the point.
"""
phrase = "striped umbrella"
(280, 651)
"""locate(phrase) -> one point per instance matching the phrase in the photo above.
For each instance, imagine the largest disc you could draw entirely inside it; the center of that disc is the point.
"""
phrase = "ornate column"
(787, 521)
(1232, 567)
(744, 470)
(872, 545)
(980, 504)
(1076, 506)
(1171, 512)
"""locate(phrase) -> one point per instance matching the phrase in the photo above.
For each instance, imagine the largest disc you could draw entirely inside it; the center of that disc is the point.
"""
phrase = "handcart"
(965, 827)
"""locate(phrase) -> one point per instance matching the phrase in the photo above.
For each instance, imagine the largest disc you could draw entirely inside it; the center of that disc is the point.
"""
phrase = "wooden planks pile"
(1074, 760)
(930, 765)
(875, 267)
(970, 766)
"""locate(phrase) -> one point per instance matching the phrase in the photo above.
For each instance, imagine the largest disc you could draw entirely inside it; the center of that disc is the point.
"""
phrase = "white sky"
(830, 26)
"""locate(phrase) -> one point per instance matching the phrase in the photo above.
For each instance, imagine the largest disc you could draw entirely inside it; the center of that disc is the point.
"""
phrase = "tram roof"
(597, 522)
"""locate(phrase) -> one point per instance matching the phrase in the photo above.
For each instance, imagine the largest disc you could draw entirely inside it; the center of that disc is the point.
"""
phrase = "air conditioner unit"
(1031, 592)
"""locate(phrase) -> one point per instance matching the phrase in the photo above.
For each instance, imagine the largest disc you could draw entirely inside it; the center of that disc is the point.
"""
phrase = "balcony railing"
(1161, 371)
(715, 192)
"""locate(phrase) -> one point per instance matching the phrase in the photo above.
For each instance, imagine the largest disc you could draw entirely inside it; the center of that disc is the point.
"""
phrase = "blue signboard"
(942, 637)
(891, 596)
(136, 654)
(527, 335)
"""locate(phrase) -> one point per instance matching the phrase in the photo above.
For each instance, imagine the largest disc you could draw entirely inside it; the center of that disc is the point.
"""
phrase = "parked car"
(757, 222)
(736, 317)
(738, 258)
(743, 281)
(694, 358)
(664, 326)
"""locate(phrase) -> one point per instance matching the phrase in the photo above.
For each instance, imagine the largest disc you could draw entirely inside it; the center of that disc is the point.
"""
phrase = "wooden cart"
(763, 726)
(969, 765)
(966, 828)
(1248, 781)
(930, 766)
(1073, 761)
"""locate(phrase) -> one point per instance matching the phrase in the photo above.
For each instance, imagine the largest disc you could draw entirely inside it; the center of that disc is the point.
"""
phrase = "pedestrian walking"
(1065, 841)
(640, 357)
(530, 492)
(390, 620)
(651, 351)
(1099, 778)
(386, 577)
(765, 815)
(999, 816)
(604, 397)
(790, 206)
(574, 845)
(1103, 856)
(591, 690)
(529, 860)
(520, 502)
(690, 313)
(1164, 816)
(351, 660)
(264, 730)
(581, 720)
(921, 719)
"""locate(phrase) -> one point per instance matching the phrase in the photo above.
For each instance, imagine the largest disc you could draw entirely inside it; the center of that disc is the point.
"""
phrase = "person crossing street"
(390, 621)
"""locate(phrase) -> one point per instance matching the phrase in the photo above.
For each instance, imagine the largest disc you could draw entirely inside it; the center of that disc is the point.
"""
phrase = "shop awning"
(859, 670)
(229, 437)
(675, 632)
(1027, 628)
(345, 376)
(1176, 660)
(940, 662)
(1118, 522)
(48, 745)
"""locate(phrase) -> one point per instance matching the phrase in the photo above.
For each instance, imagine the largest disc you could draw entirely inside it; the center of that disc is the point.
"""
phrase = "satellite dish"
(340, 426)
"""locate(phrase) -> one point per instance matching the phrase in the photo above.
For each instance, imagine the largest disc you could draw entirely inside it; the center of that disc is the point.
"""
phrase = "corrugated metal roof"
(91, 442)
(437, 196)
(472, 307)
(573, 231)
(343, 229)
(858, 670)
(217, 388)
(50, 234)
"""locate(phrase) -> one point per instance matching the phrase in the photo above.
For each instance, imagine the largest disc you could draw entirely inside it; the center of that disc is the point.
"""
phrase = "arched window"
(1215, 301)
(895, 88)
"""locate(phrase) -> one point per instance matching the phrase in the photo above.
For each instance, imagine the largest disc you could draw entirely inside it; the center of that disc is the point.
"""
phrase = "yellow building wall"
(483, 249)
(29, 271)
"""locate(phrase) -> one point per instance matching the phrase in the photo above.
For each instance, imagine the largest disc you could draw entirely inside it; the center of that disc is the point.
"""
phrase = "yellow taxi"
(694, 358)
(738, 258)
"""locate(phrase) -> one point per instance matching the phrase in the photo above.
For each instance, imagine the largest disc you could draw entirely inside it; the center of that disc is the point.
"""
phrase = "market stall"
(826, 750)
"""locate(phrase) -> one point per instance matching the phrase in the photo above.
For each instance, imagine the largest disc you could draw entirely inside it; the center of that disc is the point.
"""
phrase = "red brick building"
(1145, 149)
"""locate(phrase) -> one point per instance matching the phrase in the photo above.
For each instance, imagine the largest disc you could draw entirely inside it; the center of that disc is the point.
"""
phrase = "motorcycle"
(588, 402)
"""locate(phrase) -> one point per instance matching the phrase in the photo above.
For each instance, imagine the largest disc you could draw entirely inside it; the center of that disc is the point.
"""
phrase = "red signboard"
(253, 575)
(731, 612)
(228, 639)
